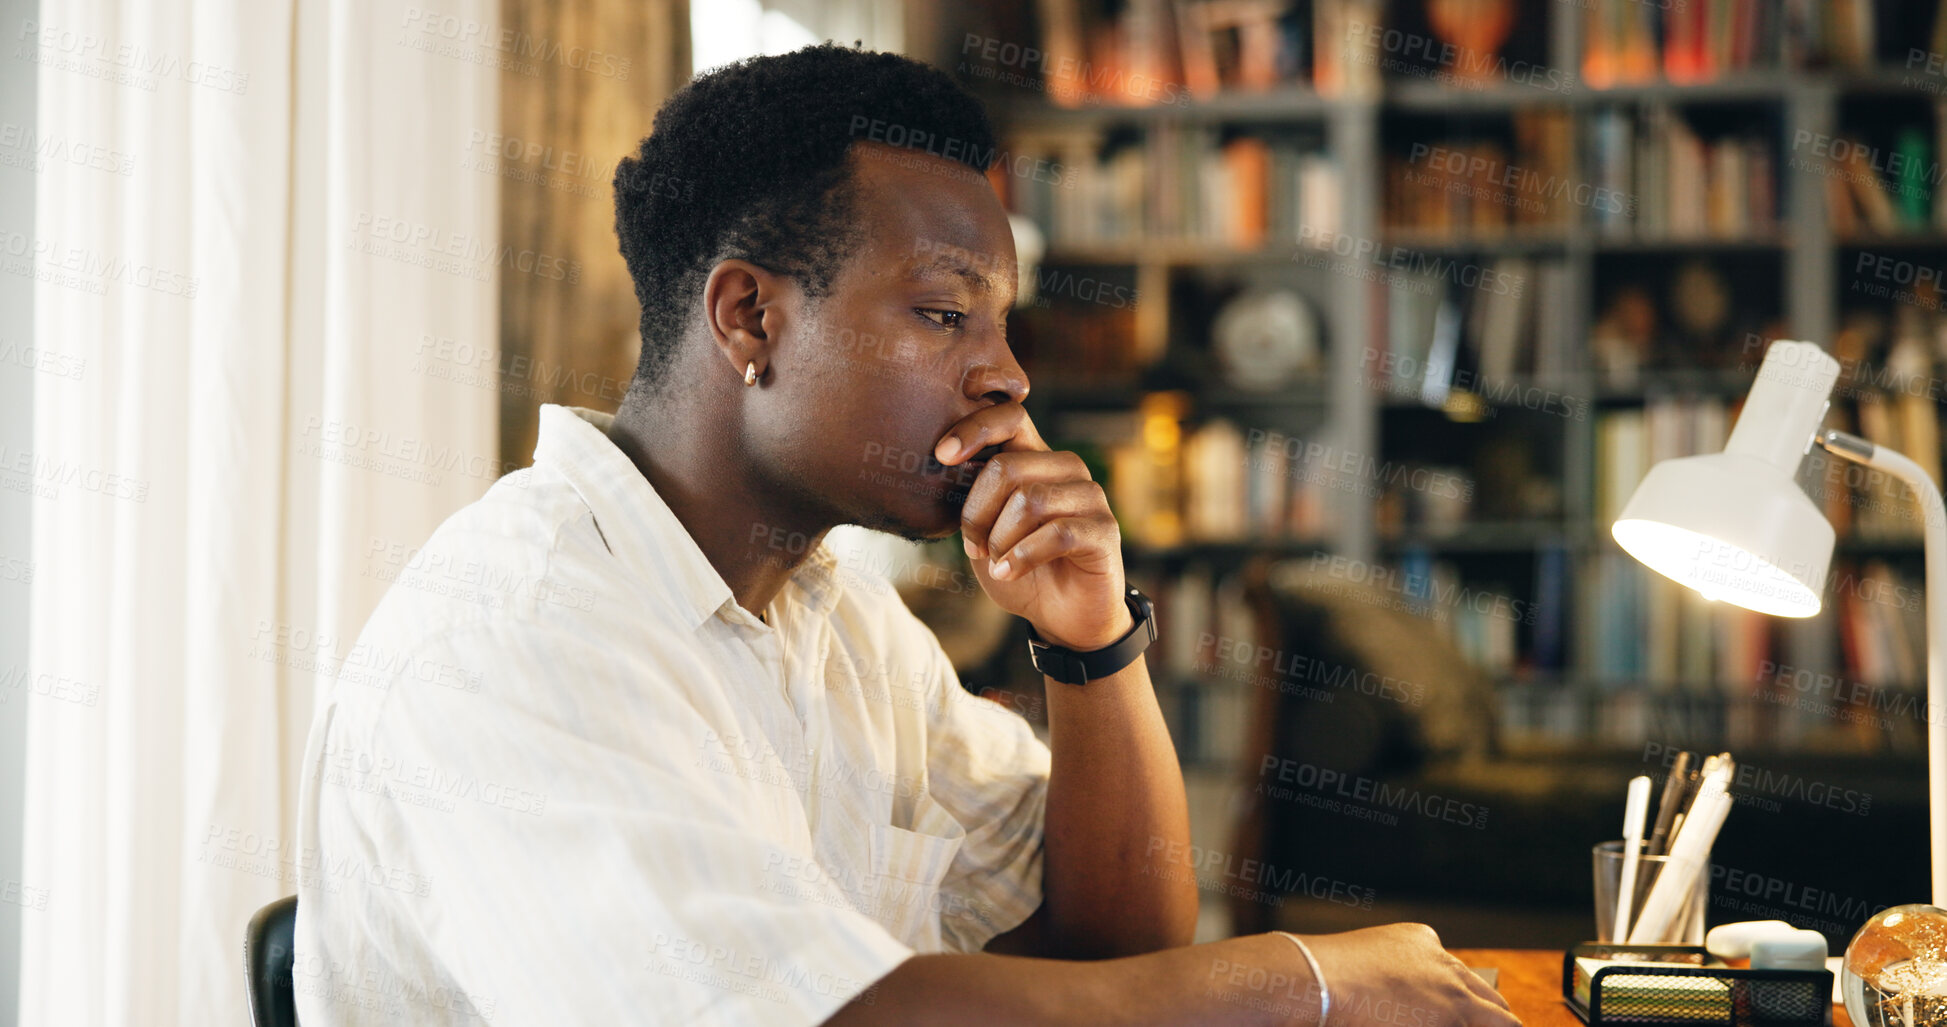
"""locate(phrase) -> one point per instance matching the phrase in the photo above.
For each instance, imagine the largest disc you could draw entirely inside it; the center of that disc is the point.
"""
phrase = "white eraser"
(1799, 950)
(1733, 941)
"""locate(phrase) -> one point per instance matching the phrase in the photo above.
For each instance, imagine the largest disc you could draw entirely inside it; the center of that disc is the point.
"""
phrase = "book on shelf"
(1666, 180)
(1089, 58)
(1346, 57)
(1889, 391)
(1481, 620)
(1060, 22)
(1477, 188)
(1453, 323)
(1888, 190)
(1549, 646)
(1640, 629)
(1620, 461)
(1214, 483)
(1627, 41)
(1205, 651)
(1881, 616)
(1629, 442)
(1251, 45)
(1855, 197)
(1872, 506)
(1420, 501)
(1150, 52)
(1258, 485)
(1178, 183)
(1219, 483)
(1069, 342)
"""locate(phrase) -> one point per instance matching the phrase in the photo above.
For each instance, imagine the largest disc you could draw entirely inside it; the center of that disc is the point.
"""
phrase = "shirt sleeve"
(987, 768)
(589, 847)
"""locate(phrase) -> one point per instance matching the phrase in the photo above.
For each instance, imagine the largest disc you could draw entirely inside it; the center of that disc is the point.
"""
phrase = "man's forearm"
(1117, 877)
(1241, 982)
(1116, 874)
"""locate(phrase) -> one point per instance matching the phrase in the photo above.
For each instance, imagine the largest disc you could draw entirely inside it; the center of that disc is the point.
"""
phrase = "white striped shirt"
(573, 781)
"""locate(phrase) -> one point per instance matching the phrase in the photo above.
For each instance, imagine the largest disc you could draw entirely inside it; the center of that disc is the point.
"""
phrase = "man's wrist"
(1119, 623)
(1318, 977)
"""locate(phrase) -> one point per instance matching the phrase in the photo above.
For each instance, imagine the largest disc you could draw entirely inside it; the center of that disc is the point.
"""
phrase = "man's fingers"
(1004, 424)
(1476, 984)
(1494, 1011)
(1004, 474)
(1058, 539)
(1498, 1016)
(1037, 502)
(1487, 994)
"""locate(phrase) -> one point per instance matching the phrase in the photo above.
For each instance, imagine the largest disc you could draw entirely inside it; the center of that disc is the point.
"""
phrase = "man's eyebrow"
(949, 264)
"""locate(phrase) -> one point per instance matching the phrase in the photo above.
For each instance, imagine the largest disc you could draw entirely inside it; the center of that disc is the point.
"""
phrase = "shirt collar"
(642, 531)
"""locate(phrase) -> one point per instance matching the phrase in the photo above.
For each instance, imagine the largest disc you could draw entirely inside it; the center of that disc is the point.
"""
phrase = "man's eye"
(957, 317)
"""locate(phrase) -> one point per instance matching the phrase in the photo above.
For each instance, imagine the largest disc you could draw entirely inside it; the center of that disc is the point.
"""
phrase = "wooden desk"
(1531, 981)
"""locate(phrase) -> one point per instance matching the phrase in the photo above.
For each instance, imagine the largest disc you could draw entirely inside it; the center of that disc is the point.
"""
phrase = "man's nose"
(998, 379)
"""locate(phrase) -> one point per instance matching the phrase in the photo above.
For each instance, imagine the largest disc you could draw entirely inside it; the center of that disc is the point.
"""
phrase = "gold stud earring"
(750, 373)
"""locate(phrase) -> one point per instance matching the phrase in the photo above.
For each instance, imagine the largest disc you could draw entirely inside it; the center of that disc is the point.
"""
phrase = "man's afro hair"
(749, 161)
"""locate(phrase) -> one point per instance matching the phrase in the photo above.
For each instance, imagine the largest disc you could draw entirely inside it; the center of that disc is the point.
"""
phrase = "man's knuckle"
(1020, 499)
(1421, 932)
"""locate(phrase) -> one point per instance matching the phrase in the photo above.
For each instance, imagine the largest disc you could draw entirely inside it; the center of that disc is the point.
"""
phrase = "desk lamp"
(1736, 527)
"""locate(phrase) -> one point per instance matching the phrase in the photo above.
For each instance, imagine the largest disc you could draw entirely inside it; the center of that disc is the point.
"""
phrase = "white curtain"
(266, 301)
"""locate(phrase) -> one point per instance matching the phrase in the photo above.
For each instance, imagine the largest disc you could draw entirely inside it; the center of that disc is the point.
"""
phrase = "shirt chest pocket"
(907, 868)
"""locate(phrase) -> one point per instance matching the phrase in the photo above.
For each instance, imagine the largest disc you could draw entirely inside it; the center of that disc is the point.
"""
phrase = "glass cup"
(1686, 927)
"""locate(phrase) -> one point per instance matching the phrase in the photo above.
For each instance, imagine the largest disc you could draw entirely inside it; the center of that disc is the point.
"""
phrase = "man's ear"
(742, 303)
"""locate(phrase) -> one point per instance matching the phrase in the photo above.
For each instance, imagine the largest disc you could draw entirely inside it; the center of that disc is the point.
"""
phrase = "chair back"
(267, 964)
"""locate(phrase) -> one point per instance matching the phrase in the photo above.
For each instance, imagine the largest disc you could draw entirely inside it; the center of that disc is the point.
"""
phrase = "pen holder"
(1686, 927)
(1685, 986)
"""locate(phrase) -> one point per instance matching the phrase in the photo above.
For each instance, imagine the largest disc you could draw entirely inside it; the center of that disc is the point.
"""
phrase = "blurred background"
(1369, 314)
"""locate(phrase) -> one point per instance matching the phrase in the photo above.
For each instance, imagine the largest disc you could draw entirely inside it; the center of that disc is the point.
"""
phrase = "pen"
(1686, 804)
(1634, 812)
(1693, 787)
(1666, 812)
(1688, 853)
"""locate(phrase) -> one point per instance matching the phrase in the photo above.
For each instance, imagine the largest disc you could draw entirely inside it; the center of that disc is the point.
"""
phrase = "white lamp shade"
(1734, 528)
(1735, 525)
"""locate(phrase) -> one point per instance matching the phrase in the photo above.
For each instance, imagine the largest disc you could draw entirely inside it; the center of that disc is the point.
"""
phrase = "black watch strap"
(1073, 668)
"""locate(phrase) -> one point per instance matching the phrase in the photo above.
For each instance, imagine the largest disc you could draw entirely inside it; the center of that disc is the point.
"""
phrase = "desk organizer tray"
(1685, 986)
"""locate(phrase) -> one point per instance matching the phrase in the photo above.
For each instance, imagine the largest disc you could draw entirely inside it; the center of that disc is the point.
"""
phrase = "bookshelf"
(1686, 184)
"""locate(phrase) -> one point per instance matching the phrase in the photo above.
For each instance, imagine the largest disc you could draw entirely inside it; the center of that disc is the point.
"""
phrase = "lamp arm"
(1934, 532)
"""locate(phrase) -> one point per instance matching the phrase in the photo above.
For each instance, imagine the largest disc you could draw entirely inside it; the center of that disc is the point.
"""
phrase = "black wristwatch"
(1072, 668)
